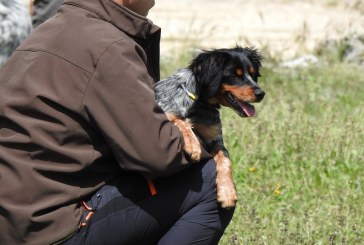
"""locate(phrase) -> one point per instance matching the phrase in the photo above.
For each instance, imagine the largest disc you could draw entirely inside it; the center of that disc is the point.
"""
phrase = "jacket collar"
(124, 19)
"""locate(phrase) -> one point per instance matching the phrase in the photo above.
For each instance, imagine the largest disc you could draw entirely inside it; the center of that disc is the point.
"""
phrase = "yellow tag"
(192, 96)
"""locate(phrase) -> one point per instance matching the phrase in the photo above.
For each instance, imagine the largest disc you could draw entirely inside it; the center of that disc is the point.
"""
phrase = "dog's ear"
(208, 70)
(255, 58)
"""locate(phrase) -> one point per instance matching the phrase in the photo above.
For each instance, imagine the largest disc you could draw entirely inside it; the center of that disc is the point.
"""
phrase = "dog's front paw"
(192, 147)
(226, 193)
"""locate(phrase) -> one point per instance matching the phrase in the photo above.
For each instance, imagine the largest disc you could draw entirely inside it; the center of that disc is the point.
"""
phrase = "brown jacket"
(76, 108)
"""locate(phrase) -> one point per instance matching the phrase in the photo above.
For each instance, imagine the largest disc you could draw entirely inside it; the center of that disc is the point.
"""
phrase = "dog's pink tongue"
(248, 109)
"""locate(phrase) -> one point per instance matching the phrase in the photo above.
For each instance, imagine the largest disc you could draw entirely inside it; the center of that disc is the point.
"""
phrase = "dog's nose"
(259, 94)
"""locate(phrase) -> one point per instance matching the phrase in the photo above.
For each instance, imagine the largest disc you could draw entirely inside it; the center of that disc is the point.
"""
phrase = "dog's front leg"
(226, 192)
(212, 135)
(192, 145)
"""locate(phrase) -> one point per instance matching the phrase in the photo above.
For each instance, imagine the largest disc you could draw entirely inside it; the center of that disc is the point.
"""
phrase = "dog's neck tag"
(191, 95)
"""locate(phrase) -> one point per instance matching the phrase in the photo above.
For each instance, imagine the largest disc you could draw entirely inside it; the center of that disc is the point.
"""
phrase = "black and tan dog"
(192, 98)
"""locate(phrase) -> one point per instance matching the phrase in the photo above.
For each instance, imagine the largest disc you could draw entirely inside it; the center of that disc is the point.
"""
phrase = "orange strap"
(88, 216)
(84, 204)
(152, 189)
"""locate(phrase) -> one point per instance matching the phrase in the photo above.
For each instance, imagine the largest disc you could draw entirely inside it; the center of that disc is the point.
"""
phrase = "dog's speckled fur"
(15, 25)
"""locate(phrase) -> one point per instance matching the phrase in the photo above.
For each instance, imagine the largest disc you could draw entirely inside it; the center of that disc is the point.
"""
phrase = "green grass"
(306, 147)
(299, 165)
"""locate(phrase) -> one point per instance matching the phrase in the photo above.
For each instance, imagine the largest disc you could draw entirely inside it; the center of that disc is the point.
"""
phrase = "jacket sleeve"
(120, 101)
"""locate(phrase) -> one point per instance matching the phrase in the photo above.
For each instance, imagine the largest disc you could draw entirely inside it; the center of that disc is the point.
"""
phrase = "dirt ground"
(284, 27)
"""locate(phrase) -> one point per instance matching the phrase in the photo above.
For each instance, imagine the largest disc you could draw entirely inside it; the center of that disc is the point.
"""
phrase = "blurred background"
(284, 28)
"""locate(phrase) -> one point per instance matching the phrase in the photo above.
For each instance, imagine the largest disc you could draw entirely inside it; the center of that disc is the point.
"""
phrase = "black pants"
(184, 211)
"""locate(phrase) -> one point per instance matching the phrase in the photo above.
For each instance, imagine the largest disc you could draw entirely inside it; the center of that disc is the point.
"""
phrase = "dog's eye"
(239, 72)
(251, 70)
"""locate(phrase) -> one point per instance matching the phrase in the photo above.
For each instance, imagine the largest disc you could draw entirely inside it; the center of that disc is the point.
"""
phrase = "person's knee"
(218, 217)
(209, 175)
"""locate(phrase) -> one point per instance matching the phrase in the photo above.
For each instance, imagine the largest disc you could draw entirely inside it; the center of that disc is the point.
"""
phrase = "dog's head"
(229, 77)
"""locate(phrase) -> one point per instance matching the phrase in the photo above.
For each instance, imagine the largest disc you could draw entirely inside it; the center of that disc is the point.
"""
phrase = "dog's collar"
(190, 94)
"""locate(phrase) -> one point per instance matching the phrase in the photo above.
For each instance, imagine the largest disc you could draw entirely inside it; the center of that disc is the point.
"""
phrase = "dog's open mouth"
(243, 109)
